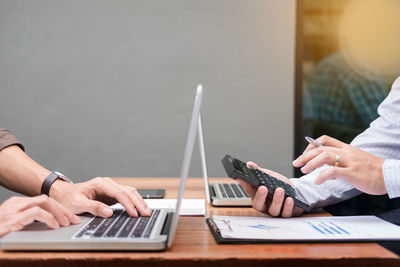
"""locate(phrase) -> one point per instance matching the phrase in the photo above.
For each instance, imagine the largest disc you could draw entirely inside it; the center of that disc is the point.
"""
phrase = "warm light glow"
(369, 34)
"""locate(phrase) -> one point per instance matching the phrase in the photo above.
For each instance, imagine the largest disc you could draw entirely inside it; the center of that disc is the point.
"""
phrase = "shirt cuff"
(327, 193)
(391, 176)
(8, 139)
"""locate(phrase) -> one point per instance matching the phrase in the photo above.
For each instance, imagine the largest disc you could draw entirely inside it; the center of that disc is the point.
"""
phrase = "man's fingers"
(137, 200)
(253, 165)
(326, 141)
(330, 141)
(307, 156)
(259, 201)
(65, 212)
(34, 213)
(318, 161)
(250, 190)
(308, 149)
(96, 208)
(330, 174)
(24, 203)
(277, 201)
(106, 187)
(109, 188)
(124, 198)
(287, 210)
(63, 216)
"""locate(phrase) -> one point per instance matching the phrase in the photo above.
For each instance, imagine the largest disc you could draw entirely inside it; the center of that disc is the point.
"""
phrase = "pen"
(313, 141)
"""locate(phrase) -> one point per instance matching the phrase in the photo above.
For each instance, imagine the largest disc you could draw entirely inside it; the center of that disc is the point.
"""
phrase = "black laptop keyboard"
(119, 225)
(232, 191)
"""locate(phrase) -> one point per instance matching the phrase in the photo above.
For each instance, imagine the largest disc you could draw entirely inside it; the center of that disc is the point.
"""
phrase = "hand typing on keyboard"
(17, 212)
(272, 205)
(95, 195)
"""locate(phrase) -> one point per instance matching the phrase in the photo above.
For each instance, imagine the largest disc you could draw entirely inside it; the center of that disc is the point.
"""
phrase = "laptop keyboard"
(119, 225)
(232, 191)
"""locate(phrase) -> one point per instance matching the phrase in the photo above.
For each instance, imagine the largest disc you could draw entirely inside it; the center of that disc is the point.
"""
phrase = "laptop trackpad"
(40, 231)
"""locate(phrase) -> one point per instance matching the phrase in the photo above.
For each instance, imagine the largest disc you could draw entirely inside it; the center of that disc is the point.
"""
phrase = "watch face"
(63, 177)
(60, 174)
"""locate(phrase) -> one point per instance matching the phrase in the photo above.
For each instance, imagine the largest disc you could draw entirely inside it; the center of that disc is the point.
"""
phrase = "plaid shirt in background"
(336, 93)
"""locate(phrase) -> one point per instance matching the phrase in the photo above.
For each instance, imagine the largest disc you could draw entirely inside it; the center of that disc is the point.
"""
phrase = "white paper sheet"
(190, 207)
(307, 228)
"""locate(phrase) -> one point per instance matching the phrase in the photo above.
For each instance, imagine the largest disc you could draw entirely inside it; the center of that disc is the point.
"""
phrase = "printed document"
(307, 228)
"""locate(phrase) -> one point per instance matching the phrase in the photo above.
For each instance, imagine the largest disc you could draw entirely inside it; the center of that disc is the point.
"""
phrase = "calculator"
(237, 169)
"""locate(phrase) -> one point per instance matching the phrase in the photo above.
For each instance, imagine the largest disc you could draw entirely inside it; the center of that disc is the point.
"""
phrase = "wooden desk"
(195, 246)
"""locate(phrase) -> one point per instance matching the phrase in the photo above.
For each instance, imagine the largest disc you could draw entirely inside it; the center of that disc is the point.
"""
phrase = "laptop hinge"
(167, 223)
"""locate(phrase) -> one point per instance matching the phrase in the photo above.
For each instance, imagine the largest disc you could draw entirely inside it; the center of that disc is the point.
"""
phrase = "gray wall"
(105, 88)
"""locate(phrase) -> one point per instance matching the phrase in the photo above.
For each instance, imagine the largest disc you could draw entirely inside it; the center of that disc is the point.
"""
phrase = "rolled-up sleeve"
(8, 139)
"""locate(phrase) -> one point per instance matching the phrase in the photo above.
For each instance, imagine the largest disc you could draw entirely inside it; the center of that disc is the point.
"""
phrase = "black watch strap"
(48, 182)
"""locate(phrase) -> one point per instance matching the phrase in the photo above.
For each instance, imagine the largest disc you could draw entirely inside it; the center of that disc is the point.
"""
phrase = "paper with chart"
(307, 228)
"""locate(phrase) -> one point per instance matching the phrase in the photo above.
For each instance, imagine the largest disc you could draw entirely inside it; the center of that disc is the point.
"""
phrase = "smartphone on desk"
(237, 169)
(151, 193)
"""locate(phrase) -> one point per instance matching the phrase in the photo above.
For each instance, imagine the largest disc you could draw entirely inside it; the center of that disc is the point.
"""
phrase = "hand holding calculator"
(237, 169)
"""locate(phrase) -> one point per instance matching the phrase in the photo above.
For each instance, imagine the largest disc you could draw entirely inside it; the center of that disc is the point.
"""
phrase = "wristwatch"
(50, 179)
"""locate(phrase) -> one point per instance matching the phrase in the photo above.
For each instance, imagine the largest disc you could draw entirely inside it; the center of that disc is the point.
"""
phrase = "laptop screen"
(186, 159)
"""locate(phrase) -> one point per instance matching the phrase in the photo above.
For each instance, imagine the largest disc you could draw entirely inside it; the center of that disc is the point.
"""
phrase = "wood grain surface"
(195, 246)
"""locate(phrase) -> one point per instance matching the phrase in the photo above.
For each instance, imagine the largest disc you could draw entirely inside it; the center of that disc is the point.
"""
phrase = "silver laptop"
(220, 194)
(120, 232)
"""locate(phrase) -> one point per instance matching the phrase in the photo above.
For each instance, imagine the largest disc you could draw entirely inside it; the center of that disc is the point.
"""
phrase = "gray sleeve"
(8, 139)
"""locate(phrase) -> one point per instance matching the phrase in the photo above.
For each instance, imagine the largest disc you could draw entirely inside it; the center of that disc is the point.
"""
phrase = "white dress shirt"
(381, 139)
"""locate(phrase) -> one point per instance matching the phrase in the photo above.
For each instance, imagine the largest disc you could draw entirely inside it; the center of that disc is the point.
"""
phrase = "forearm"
(20, 173)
